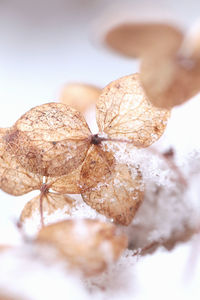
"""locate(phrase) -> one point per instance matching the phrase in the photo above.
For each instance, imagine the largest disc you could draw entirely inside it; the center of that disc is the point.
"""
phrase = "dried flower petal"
(97, 165)
(170, 81)
(79, 96)
(118, 196)
(139, 39)
(123, 111)
(51, 202)
(66, 184)
(88, 245)
(51, 139)
(14, 179)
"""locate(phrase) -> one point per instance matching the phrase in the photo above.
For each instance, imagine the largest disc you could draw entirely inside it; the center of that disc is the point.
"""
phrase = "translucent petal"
(51, 139)
(123, 111)
(14, 179)
(118, 196)
(66, 184)
(139, 39)
(80, 96)
(51, 202)
(97, 165)
(88, 245)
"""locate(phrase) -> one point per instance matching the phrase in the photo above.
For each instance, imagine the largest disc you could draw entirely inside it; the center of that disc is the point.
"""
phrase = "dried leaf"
(170, 81)
(66, 184)
(14, 179)
(51, 139)
(118, 196)
(89, 245)
(51, 202)
(139, 39)
(97, 165)
(123, 111)
(79, 96)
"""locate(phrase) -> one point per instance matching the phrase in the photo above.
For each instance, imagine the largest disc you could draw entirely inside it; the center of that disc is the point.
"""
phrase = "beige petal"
(66, 184)
(51, 202)
(97, 165)
(123, 111)
(51, 139)
(118, 196)
(80, 96)
(170, 81)
(14, 179)
(141, 39)
(88, 245)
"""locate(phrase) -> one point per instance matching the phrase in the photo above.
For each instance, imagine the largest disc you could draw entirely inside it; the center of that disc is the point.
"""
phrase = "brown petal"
(88, 245)
(51, 139)
(118, 196)
(170, 81)
(79, 96)
(14, 179)
(141, 39)
(51, 203)
(66, 184)
(97, 165)
(123, 111)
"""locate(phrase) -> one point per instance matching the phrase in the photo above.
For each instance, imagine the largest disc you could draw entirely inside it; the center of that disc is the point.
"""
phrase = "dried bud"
(88, 245)
(140, 39)
(51, 202)
(123, 111)
(14, 179)
(51, 139)
(118, 196)
(79, 96)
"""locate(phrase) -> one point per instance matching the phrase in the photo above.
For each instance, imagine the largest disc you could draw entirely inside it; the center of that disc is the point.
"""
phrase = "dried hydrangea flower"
(118, 196)
(140, 39)
(79, 96)
(87, 245)
(54, 140)
(124, 111)
(50, 139)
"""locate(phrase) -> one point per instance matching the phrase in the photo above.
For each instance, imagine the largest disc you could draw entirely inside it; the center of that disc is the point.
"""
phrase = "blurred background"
(44, 44)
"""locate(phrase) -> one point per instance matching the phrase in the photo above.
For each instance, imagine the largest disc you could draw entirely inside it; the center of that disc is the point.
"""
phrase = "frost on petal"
(118, 196)
(66, 184)
(88, 245)
(14, 179)
(170, 81)
(141, 39)
(123, 111)
(51, 139)
(97, 165)
(79, 96)
(51, 202)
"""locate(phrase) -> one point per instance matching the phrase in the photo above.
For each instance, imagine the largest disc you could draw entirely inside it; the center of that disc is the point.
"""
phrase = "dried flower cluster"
(51, 149)
(170, 61)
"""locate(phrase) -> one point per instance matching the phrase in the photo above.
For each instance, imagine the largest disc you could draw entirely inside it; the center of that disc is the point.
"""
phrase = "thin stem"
(41, 209)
